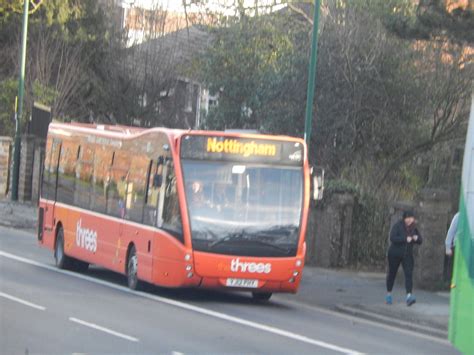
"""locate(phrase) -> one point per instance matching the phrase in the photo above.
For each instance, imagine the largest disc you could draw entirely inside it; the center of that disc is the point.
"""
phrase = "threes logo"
(260, 268)
(86, 238)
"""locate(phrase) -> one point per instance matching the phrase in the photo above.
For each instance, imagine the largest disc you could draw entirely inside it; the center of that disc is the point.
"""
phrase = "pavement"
(359, 294)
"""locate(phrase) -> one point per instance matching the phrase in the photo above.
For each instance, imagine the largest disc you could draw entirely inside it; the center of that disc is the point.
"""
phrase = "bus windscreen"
(248, 209)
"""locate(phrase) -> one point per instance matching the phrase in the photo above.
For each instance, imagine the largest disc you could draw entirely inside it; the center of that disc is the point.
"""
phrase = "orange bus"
(177, 208)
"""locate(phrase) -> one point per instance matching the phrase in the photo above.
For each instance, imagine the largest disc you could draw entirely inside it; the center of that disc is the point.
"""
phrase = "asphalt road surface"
(48, 311)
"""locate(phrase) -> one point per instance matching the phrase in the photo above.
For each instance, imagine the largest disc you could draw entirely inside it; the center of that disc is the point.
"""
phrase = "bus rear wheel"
(132, 270)
(261, 296)
(61, 259)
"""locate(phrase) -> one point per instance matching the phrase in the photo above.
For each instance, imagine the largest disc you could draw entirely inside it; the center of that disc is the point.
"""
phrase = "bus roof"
(127, 132)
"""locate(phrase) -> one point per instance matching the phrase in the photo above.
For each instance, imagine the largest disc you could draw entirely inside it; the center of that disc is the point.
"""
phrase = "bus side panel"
(169, 264)
(91, 238)
(48, 234)
(461, 323)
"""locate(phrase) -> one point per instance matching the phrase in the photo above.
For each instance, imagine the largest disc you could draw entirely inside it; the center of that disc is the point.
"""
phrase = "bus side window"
(155, 180)
(50, 175)
(82, 193)
(46, 170)
(171, 216)
(117, 183)
(136, 186)
(66, 178)
(99, 191)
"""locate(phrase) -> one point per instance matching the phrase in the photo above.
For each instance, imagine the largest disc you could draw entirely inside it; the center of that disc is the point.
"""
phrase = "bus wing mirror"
(318, 182)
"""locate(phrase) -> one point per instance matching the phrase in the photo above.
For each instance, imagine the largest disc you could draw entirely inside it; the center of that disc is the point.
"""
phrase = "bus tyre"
(132, 270)
(62, 260)
(261, 296)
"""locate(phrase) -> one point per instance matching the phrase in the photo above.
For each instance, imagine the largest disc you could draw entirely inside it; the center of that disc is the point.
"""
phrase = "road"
(46, 310)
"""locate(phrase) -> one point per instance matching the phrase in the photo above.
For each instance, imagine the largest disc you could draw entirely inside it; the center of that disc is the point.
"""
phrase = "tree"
(255, 65)
(66, 41)
(380, 97)
(438, 20)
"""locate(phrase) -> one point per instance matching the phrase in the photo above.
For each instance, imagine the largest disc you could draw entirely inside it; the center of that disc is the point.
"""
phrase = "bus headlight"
(190, 274)
(291, 280)
(187, 257)
(296, 273)
(298, 263)
(189, 267)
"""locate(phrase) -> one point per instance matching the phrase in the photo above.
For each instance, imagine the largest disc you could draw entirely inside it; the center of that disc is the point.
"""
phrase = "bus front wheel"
(132, 270)
(261, 296)
(61, 259)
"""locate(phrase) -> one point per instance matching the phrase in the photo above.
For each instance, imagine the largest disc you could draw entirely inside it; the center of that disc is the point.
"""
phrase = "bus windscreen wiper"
(233, 236)
(248, 238)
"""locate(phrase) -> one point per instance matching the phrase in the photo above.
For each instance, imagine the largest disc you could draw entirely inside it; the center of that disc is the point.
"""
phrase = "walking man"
(403, 236)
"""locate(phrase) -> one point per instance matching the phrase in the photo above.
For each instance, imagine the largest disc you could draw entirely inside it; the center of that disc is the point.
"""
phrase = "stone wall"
(26, 168)
(433, 211)
(5, 153)
(31, 165)
(330, 231)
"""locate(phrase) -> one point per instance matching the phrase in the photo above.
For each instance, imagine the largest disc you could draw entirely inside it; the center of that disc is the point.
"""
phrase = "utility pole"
(312, 75)
(19, 114)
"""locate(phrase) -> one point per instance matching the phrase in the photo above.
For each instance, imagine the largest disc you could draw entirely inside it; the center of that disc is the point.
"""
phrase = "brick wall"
(5, 151)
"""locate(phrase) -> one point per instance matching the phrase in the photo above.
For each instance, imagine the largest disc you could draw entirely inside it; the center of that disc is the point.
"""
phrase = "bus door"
(50, 184)
(138, 211)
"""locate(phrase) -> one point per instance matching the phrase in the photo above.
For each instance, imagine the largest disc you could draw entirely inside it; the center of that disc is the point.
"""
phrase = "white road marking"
(190, 307)
(103, 329)
(19, 300)
(366, 321)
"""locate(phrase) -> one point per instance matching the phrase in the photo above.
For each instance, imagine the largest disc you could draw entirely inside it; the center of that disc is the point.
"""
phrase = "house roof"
(177, 48)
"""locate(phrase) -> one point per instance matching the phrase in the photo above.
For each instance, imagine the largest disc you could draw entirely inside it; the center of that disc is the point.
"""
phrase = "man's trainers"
(411, 300)
(388, 299)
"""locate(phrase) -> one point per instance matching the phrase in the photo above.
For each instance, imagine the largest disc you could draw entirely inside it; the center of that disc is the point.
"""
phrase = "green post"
(18, 115)
(312, 75)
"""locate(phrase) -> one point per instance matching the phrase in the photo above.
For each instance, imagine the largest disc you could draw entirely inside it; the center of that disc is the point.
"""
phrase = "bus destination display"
(241, 149)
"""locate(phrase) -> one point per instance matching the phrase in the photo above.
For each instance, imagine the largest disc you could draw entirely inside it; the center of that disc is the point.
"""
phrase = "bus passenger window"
(117, 184)
(136, 185)
(84, 170)
(66, 173)
(171, 212)
(154, 185)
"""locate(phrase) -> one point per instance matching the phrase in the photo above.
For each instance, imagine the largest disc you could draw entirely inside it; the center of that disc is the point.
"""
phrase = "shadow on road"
(197, 296)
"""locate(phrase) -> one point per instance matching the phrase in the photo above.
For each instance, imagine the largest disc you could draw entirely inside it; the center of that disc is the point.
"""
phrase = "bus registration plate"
(242, 283)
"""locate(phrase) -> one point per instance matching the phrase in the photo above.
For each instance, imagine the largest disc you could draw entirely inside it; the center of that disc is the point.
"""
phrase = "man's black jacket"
(398, 238)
